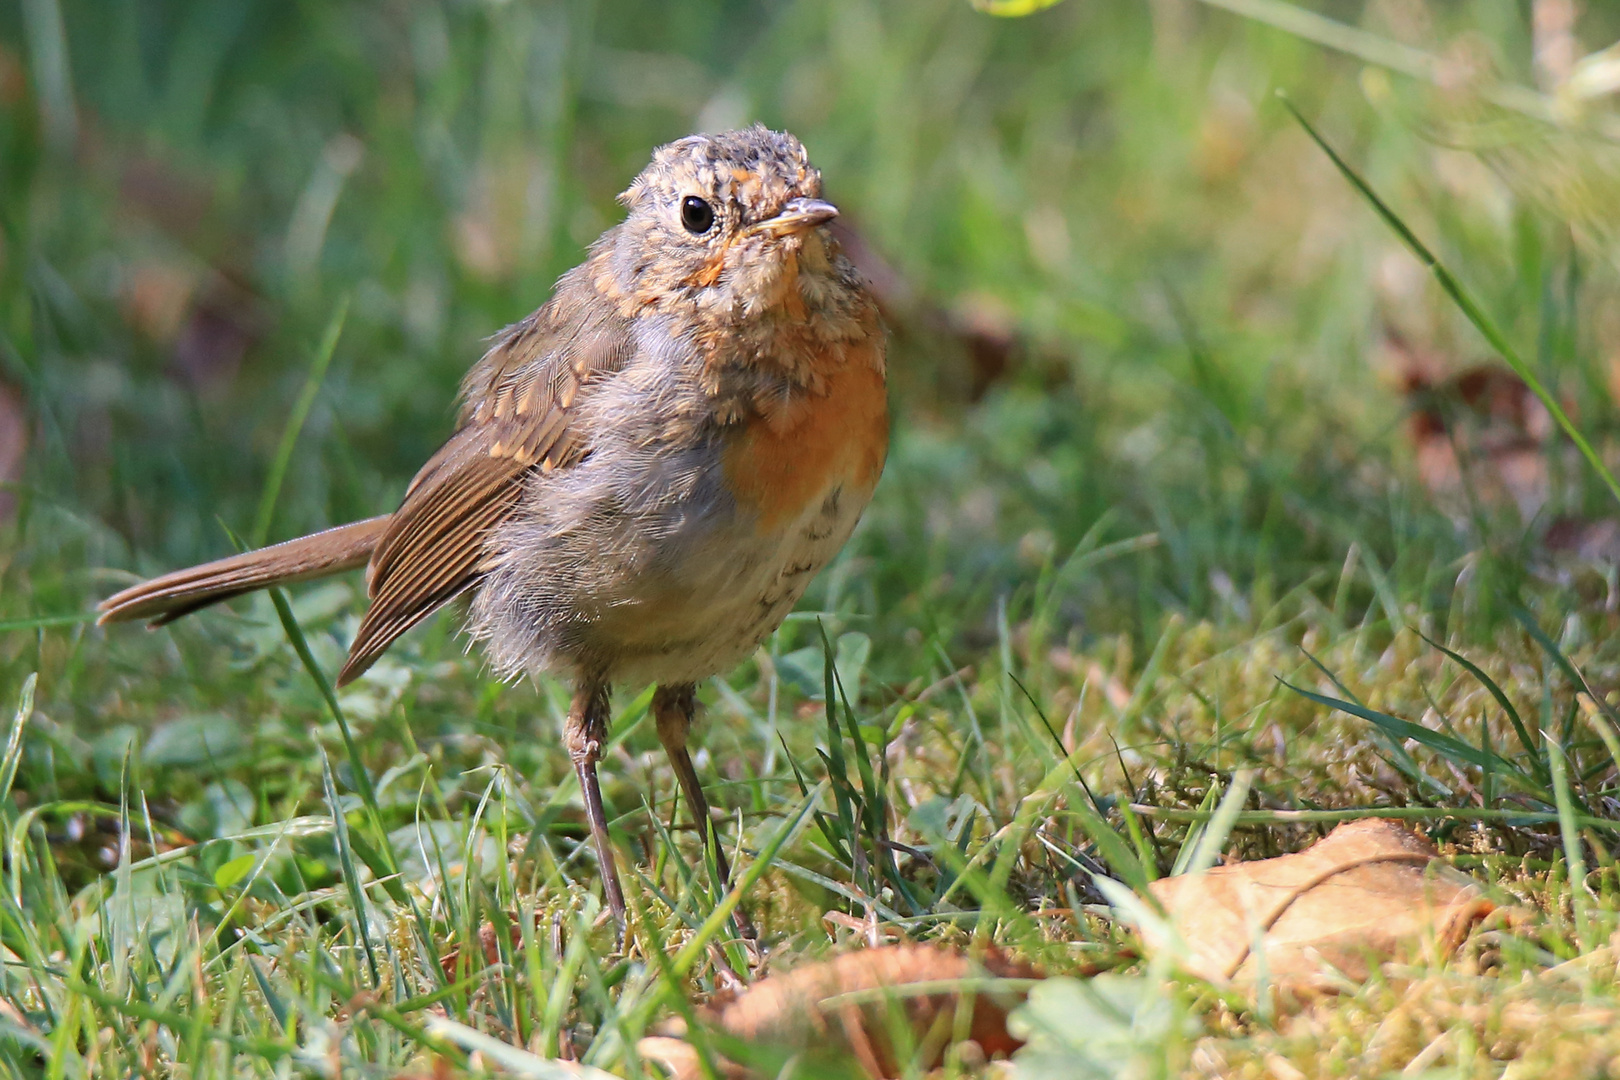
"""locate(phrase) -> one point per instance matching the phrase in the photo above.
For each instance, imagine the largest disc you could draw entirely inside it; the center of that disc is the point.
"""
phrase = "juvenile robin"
(646, 472)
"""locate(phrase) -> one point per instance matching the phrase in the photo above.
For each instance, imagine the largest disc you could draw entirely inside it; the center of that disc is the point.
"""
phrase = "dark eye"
(696, 214)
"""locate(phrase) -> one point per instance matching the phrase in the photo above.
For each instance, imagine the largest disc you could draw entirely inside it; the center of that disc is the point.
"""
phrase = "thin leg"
(585, 732)
(674, 708)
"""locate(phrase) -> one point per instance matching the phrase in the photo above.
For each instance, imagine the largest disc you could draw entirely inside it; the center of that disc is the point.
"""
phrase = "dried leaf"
(1478, 433)
(1371, 891)
(855, 1005)
(1366, 893)
(680, 1059)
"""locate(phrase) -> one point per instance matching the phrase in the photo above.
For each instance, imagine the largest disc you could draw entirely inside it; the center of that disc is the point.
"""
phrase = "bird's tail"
(166, 598)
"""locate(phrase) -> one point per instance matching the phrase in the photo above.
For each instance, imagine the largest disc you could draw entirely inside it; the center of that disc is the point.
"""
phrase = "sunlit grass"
(246, 250)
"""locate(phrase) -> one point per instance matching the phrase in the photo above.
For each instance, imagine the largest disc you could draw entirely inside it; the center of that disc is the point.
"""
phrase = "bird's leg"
(584, 733)
(674, 708)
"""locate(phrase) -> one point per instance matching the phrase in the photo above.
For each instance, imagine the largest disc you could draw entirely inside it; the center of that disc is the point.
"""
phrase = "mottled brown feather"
(520, 399)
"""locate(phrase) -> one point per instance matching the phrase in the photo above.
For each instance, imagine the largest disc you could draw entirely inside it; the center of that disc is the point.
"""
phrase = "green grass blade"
(51, 66)
(513, 1060)
(1195, 835)
(1335, 35)
(260, 862)
(1213, 841)
(351, 870)
(177, 1022)
(123, 900)
(1510, 818)
(1402, 59)
(1567, 666)
(295, 424)
(362, 779)
(1116, 853)
(756, 870)
(14, 741)
(873, 797)
(1331, 675)
(562, 988)
(843, 788)
(1465, 302)
(1143, 842)
(41, 622)
(272, 1000)
(696, 1034)
(1440, 743)
(1569, 832)
(1501, 699)
(822, 881)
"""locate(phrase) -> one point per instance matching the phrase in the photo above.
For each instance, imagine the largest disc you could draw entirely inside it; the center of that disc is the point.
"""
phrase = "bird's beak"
(797, 216)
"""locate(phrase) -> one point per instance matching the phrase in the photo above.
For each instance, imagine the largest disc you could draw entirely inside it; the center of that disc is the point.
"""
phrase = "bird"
(645, 473)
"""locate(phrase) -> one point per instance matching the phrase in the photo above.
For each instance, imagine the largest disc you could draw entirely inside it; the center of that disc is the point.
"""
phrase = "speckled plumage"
(648, 470)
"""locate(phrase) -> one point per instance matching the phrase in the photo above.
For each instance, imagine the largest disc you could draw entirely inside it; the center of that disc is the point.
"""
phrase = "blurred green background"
(1130, 299)
(1176, 417)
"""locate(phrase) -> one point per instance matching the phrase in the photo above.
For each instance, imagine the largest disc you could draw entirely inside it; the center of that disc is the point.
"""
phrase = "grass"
(1177, 586)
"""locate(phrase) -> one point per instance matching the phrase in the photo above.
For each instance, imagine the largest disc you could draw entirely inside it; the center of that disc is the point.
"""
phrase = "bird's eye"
(696, 214)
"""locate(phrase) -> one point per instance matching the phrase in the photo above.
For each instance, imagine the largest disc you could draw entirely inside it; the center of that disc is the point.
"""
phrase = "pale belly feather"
(734, 598)
(666, 556)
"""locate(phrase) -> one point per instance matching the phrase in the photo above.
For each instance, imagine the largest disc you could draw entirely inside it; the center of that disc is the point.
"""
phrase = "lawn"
(1210, 502)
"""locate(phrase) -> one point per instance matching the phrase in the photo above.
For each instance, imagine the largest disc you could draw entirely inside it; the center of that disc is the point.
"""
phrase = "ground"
(1199, 472)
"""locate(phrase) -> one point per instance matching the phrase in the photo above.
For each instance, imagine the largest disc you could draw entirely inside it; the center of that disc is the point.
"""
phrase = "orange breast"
(779, 465)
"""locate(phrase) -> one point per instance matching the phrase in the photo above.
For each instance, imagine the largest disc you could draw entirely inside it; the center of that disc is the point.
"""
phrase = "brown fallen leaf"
(847, 1006)
(680, 1059)
(1478, 435)
(1371, 891)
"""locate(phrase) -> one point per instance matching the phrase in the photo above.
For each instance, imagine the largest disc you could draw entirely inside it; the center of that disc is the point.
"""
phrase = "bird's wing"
(518, 417)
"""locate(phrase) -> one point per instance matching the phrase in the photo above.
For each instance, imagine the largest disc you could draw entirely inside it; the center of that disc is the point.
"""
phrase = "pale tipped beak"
(798, 215)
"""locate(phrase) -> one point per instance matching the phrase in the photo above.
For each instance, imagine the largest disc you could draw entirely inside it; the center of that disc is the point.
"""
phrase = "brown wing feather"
(519, 406)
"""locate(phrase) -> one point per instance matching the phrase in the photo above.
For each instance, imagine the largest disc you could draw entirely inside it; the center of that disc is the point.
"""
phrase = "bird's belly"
(709, 610)
(676, 594)
(669, 557)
